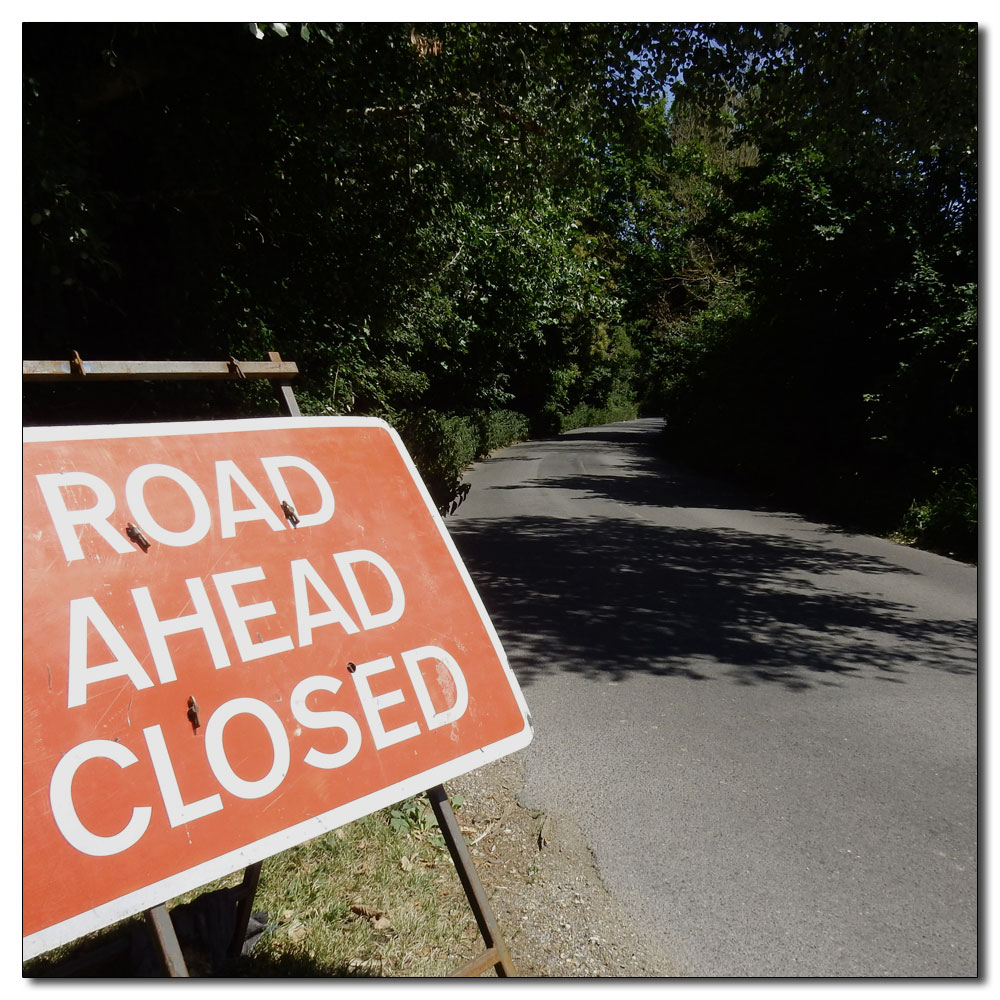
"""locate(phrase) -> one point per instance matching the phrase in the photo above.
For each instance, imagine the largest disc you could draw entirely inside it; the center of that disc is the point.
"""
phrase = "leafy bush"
(499, 428)
(948, 518)
(443, 445)
(585, 415)
(547, 421)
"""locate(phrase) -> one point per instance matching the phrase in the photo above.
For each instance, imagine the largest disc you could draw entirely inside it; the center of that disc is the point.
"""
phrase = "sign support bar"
(496, 954)
(248, 889)
(77, 369)
(159, 922)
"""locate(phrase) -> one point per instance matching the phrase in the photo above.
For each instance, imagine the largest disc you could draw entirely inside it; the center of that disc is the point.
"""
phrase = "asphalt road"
(765, 727)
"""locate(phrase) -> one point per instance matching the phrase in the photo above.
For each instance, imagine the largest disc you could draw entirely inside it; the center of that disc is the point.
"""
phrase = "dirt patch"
(555, 913)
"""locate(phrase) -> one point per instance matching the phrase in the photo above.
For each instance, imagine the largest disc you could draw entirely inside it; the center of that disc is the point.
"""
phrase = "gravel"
(555, 913)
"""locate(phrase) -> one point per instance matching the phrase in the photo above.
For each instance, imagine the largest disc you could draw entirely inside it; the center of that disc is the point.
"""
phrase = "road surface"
(765, 727)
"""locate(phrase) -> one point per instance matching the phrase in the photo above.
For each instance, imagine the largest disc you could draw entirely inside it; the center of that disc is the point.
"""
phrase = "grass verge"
(378, 897)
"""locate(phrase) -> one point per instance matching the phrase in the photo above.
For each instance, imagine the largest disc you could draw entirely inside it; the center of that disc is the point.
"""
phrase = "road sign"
(237, 636)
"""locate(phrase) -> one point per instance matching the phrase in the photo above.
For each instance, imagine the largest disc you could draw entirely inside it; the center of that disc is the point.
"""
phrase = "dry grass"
(368, 899)
(378, 897)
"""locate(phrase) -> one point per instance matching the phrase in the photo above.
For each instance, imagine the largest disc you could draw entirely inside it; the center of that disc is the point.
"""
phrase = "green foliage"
(396, 207)
(766, 232)
(947, 519)
(444, 445)
(593, 416)
(499, 428)
(412, 816)
(815, 328)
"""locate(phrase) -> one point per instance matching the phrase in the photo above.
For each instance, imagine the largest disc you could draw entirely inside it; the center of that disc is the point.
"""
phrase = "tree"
(848, 363)
(392, 205)
(767, 230)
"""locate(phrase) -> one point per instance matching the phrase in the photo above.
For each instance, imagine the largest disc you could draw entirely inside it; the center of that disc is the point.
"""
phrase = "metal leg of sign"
(248, 889)
(162, 927)
(496, 953)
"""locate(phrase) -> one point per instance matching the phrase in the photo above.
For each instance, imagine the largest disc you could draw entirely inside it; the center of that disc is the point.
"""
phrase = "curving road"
(766, 728)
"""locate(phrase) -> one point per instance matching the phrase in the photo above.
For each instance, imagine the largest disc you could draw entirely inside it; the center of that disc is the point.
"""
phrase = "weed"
(378, 897)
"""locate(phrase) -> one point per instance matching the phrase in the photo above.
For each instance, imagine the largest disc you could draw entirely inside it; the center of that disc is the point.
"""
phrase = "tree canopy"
(766, 233)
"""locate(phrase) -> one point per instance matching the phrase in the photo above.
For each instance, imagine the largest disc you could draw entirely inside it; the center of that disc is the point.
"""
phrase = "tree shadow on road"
(639, 476)
(610, 597)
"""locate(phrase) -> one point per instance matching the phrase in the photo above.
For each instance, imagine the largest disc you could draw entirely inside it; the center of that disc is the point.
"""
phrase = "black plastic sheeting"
(205, 928)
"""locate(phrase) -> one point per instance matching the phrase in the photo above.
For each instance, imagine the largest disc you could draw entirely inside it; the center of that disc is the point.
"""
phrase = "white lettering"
(411, 660)
(303, 573)
(227, 473)
(64, 812)
(345, 563)
(239, 615)
(325, 510)
(424, 665)
(216, 750)
(374, 704)
(325, 720)
(156, 630)
(84, 611)
(66, 520)
(178, 811)
(135, 487)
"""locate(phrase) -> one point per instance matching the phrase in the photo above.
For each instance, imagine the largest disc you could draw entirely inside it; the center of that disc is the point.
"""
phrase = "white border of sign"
(191, 878)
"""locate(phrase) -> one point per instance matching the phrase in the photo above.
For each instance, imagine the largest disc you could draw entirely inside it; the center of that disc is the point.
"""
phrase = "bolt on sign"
(238, 635)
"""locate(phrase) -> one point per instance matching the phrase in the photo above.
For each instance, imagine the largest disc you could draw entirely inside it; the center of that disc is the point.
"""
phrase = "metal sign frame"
(157, 917)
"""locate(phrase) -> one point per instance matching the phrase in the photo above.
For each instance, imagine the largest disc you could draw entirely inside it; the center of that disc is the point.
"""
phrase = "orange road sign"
(237, 635)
